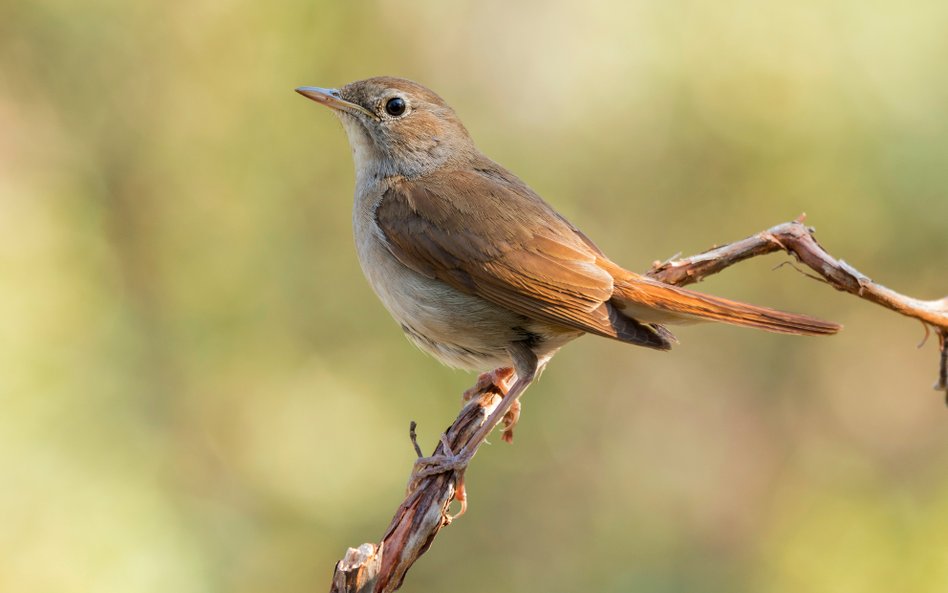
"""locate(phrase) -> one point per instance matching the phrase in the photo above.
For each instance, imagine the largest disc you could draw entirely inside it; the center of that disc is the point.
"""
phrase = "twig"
(414, 438)
(419, 518)
(382, 568)
(798, 240)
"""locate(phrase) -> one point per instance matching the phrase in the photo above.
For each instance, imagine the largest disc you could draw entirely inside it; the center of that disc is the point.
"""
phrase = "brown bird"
(480, 272)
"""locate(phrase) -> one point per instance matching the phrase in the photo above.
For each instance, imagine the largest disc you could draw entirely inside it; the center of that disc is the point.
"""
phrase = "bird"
(477, 269)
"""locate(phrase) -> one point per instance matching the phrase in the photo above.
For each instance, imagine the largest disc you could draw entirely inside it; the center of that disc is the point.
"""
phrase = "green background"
(199, 393)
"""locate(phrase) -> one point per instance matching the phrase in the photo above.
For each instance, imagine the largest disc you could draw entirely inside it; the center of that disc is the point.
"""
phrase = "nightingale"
(478, 270)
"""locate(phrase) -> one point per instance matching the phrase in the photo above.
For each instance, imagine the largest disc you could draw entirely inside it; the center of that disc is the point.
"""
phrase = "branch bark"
(418, 519)
(381, 568)
(797, 239)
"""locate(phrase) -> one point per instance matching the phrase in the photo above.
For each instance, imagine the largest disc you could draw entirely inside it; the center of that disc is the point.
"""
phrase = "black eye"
(395, 106)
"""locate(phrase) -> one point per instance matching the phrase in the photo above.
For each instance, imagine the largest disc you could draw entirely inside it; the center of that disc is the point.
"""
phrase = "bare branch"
(797, 239)
(382, 568)
(420, 516)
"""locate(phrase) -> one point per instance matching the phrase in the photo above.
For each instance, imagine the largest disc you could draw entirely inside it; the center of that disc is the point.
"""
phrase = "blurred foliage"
(200, 393)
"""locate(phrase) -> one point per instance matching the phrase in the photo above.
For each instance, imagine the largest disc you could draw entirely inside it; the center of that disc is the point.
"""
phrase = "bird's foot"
(442, 463)
(439, 464)
(497, 382)
(510, 420)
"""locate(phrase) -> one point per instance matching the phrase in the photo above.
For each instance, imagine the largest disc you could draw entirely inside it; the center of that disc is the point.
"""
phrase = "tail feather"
(652, 301)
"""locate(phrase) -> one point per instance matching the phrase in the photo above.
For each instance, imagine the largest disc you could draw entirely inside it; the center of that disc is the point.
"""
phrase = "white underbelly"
(460, 330)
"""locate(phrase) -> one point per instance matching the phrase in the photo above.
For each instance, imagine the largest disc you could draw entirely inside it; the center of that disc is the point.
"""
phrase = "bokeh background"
(199, 393)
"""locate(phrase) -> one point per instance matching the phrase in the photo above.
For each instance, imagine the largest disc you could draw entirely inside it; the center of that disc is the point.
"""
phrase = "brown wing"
(485, 233)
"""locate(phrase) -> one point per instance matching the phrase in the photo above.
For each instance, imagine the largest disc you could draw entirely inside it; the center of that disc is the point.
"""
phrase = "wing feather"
(489, 235)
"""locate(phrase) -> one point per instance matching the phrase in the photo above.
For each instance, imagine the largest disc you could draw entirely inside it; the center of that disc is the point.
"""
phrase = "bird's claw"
(509, 421)
(443, 463)
(497, 381)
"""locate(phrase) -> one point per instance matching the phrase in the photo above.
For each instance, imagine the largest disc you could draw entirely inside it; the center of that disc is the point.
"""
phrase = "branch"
(421, 515)
(381, 568)
(797, 239)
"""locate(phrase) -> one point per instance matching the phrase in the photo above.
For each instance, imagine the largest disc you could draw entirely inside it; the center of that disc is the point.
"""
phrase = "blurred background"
(200, 393)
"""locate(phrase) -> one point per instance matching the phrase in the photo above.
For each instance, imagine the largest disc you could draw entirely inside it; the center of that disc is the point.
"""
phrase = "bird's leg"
(498, 381)
(495, 381)
(526, 366)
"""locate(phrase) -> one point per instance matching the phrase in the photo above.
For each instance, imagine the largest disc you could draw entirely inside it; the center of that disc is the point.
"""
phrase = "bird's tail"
(652, 301)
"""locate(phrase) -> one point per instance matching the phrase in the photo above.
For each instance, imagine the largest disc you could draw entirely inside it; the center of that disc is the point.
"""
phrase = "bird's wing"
(485, 233)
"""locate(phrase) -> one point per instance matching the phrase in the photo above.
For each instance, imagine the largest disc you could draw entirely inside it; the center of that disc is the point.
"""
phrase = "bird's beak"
(332, 99)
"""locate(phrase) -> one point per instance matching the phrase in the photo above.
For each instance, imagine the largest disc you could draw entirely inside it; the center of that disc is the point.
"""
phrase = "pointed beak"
(333, 99)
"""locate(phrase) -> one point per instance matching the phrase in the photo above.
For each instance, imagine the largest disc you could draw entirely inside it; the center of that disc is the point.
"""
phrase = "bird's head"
(396, 126)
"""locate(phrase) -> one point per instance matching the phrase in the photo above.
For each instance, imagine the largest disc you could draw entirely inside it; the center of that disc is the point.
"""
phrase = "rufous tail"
(649, 300)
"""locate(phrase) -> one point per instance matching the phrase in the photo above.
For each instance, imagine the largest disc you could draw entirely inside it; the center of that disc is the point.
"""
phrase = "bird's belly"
(460, 330)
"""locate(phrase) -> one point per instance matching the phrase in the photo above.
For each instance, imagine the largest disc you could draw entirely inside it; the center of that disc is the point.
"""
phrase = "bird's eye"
(395, 106)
